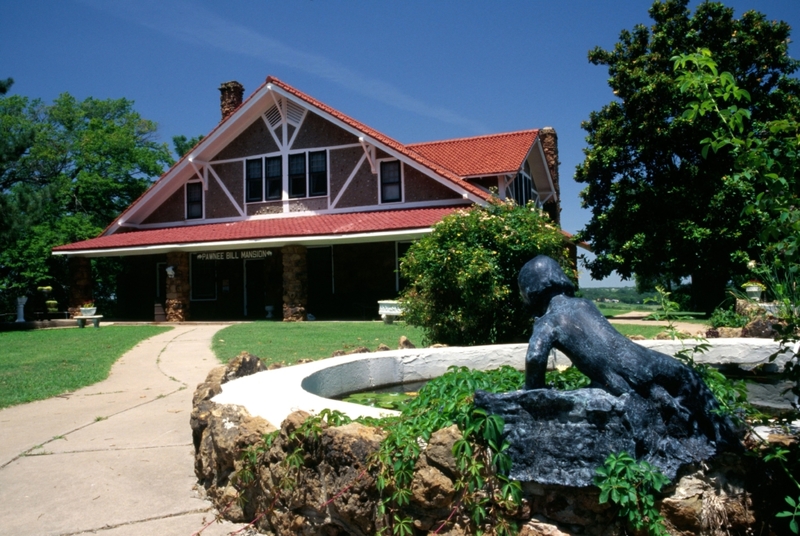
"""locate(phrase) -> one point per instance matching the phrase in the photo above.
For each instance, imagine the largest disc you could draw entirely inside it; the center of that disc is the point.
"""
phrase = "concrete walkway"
(114, 458)
(637, 318)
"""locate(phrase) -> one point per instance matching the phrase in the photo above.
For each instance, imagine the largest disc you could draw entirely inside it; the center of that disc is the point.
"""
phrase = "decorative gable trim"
(281, 106)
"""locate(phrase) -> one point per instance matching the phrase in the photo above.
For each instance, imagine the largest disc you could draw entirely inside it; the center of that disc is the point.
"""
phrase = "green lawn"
(648, 332)
(38, 364)
(286, 342)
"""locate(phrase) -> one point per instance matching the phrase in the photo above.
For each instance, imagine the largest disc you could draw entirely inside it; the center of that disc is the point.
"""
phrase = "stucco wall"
(310, 203)
(255, 140)
(271, 207)
(342, 162)
(316, 132)
(232, 176)
(363, 190)
(217, 203)
(419, 187)
(173, 209)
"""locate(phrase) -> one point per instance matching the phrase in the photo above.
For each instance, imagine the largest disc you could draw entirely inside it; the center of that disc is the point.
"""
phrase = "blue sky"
(414, 70)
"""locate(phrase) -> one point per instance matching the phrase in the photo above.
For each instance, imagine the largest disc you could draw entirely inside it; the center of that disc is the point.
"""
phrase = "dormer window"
(391, 191)
(194, 200)
(522, 189)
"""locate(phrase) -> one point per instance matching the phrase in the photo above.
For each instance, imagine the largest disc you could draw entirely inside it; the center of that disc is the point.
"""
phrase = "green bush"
(727, 318)
(462, 278)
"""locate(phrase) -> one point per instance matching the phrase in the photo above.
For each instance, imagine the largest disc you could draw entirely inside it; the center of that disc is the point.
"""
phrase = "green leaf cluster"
(660, 209)
(462, 277)
(67, 169)
(632, 485)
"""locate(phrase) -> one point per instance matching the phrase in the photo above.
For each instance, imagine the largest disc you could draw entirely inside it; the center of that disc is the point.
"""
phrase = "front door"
(255, 288)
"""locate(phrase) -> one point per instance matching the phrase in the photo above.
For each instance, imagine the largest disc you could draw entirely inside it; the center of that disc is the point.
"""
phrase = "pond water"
(387, 397)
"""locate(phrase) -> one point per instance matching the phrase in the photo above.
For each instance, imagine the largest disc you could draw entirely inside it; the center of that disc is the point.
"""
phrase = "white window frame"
(306, 153)
(186, 201)
(380, 180)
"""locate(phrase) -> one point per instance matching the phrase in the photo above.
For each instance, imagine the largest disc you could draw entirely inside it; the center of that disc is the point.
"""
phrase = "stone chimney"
(230, 97)
(550, 146)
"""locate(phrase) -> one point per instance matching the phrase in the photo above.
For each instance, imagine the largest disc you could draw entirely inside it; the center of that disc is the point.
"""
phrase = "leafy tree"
(462, 278)
(659, 209)
(765, 154)
(73, 167)
(183, 145)
(5, 85)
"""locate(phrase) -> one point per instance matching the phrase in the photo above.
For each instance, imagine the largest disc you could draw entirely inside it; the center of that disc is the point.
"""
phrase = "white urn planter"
(21, 308)
(389, 310)
(88, 311)
(753, 292)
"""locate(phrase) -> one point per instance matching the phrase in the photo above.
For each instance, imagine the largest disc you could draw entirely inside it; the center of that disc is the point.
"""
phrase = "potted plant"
(88, 309)
(754, 289)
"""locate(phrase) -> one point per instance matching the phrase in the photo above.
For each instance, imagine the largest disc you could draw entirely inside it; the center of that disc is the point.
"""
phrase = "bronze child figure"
(612, 361)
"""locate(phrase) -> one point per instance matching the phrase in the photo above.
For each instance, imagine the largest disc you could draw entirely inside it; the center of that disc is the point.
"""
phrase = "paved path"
(637, 318)
(114, 458)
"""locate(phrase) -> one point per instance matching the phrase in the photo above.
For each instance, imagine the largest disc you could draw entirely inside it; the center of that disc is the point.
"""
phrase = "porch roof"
(322, 228)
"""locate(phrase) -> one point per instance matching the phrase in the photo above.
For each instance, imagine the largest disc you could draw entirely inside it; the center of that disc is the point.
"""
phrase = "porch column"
(177, 303)
(80, 288)
(295, 283)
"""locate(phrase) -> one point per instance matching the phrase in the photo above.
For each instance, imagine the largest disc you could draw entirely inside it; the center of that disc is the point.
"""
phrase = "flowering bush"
(462, 278)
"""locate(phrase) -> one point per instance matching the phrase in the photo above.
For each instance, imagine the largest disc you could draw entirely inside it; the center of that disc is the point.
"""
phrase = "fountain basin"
(274, 394)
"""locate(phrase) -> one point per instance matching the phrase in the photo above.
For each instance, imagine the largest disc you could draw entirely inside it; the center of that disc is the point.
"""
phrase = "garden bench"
(94, 318)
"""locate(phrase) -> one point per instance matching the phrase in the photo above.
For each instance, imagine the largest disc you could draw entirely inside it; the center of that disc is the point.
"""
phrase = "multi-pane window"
(274, 177)
(254, 184)
(297, 175)
(390, 181)
(308, 176)
(194, 200)
(317, 173)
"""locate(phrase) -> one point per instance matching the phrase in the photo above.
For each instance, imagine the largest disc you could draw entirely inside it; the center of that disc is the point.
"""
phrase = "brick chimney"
(550, 146)
(230, 97)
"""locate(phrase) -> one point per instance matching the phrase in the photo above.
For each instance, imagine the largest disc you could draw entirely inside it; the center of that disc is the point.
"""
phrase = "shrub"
(462, 278)
(727, 318)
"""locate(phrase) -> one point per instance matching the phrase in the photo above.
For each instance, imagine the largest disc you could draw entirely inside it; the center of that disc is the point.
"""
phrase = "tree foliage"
(660, 210)
(5, 85)
(67, 169)
(765, 153)
(183, 145)
(462, 278)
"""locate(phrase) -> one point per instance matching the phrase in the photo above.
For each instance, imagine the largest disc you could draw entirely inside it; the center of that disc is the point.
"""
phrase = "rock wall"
(177, 303)
(295, 283)
(321, 483)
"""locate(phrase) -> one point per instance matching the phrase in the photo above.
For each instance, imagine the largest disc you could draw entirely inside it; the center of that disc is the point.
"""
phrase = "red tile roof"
(481, 155)
(288, 227)
(384, 139)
